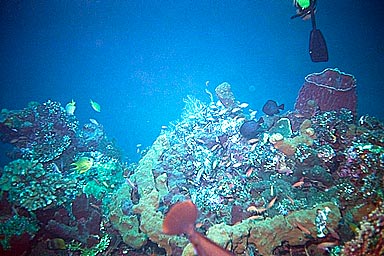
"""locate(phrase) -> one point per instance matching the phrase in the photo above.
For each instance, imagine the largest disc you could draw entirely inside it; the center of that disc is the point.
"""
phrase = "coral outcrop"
(81, 223)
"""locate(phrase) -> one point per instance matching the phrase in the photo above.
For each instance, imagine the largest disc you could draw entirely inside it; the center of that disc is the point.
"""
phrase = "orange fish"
(181, 219)
(299, 183)
(333, 233)
(326, 245)
(199, 225)
(249, 171)
(256, 217)
(253, 208)
(272, 202)
(291, 200)
(302, 228)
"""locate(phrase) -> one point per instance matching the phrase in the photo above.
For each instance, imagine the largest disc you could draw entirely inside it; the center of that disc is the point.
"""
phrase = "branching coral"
(193, 107)
(93, 251)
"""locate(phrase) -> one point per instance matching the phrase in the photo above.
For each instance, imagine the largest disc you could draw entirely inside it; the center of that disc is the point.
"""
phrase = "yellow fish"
(82, 164)
(95, 106)
(56, 244)
(70, 108)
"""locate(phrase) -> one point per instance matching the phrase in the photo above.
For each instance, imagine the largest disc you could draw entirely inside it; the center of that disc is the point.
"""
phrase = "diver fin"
(181, 218)
(206, 247)
(317, 46)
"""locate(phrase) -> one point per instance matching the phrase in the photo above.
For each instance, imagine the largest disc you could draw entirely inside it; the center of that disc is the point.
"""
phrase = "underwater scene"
(206, 128)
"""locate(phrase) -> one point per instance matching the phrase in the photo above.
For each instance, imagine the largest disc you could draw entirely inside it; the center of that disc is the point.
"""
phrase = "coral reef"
(287, 144)
(16, 226)
(40, 183)
(263, 191)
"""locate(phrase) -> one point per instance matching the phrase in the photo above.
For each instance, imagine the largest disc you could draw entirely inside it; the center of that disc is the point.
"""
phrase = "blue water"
(139, 59)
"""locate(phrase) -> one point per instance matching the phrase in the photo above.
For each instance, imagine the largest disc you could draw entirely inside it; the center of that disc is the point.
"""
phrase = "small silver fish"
(243, 105)
(253, 147)
(94, 121)
(236, 165)
(222, 112)
(253, 141)
(253, 114)
(215, 147)
(55, 168)
(234, 110)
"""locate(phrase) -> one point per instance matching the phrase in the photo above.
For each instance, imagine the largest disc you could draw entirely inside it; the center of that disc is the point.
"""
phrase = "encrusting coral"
(288, 145)
(135, 231)
(296, 228)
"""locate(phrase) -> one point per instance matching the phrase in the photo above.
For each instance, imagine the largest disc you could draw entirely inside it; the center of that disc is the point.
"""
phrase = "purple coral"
(84, 225)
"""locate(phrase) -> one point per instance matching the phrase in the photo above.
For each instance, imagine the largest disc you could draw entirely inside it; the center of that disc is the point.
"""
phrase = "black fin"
(317, 47)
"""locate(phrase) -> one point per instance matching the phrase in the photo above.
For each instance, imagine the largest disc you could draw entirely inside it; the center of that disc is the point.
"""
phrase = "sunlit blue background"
(139, 59)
